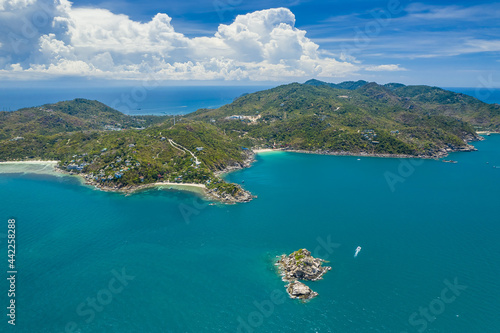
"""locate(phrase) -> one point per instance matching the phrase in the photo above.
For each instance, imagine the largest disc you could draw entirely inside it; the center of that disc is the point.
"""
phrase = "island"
(116, 152)
(301, 265)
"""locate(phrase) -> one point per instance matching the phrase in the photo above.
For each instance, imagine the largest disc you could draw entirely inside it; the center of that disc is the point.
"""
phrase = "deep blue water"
(138, 100)
(488, 95)
(200, 268)
(158, 100)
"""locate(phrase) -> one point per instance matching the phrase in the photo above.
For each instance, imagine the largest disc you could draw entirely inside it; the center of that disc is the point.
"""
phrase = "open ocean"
(137, 100)
(164, 261)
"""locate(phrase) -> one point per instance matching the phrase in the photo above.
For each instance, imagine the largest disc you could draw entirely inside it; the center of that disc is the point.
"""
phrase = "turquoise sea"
(163, 261)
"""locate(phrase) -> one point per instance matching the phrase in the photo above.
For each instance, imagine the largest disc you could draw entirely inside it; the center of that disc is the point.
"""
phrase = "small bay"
(186, 266)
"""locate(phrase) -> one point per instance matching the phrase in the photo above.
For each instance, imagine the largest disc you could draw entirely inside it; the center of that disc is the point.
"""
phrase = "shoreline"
(360, 154)
(201, 189)
(180, 184)
(266, 150)
(247, 162)
(185, 187)
(36, 167)
(50, 168)
(30, 162)
(441, 153)
(188, 187)
(437, 155)
(487, 132)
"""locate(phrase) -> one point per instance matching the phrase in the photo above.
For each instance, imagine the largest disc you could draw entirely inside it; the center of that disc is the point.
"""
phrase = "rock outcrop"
(300, 265)
(240, 195)
(299, 290)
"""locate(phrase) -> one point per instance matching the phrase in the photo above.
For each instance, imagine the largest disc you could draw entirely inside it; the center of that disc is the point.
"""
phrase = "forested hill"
(427, 100)
(117, 150)
(361, 97)
(361, 117)
(69, 116)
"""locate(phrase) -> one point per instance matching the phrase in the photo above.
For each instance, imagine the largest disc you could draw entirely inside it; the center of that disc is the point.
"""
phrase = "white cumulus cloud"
(47, 37)
(384, 68)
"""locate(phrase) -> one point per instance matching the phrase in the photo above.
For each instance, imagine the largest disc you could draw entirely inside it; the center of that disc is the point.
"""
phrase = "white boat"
(357, 251)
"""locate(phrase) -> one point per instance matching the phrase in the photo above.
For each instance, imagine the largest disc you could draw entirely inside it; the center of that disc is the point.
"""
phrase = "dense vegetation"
(130, 156)
(355, 117)
(69, 116)
(115, 149)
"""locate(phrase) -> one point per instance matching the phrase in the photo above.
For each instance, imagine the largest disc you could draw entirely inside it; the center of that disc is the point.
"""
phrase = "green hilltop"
(117, 151)
(69, 116)
(113, 152)
(360, 118)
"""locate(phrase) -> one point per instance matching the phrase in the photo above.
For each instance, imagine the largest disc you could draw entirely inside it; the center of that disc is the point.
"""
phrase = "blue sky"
(444, 43)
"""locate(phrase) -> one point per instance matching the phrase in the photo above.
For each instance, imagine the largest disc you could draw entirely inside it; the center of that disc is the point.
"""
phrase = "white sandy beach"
(24, 167)
(180, 184)
(196, 188)
(48, 168)
(31, 162)
(267, 150)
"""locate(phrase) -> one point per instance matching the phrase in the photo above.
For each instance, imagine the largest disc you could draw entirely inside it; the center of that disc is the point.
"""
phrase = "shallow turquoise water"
(200, 268)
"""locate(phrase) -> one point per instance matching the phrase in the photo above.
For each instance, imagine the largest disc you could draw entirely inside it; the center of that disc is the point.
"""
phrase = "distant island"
(118, 152)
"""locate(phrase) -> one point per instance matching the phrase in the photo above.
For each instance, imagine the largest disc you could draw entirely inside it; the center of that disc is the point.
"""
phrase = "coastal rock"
(299, 290)
(300, 265)
(246, 163)
(239, 196)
